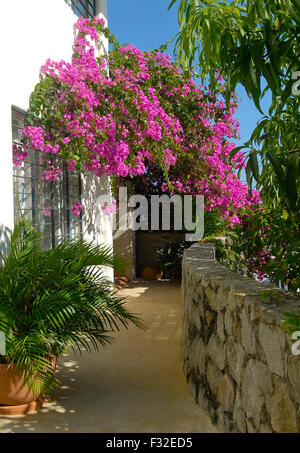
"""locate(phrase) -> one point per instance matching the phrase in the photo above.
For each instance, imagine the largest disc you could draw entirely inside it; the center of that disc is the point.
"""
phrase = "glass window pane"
(84, 8)
(48, 205)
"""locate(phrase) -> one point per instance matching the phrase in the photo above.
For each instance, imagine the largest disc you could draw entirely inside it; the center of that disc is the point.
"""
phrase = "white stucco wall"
(98, 227)
(32, 31)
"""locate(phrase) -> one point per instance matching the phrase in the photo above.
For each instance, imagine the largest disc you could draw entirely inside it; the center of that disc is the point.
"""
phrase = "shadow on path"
(134, 385)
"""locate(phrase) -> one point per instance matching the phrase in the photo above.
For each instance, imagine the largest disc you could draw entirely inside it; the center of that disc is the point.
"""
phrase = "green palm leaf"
(55, 300)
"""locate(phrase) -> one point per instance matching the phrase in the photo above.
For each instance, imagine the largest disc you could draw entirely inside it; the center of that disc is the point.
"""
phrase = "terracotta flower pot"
(13, 389)
(15, 394)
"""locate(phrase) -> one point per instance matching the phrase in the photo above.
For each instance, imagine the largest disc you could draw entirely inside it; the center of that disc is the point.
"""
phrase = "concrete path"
(134, 385)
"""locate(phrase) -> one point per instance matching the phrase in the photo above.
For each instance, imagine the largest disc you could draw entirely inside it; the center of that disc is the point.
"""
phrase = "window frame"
(83, 8)
(30, 189)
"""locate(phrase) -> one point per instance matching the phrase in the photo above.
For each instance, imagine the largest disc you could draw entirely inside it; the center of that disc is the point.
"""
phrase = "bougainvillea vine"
(116, 115)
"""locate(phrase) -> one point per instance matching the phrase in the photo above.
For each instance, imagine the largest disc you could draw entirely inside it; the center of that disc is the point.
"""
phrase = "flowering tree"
(120, 114)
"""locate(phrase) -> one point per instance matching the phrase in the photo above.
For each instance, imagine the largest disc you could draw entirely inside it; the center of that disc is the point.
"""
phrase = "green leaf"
(276, 165)
(291, 186)
(171, 4)
(253, 163)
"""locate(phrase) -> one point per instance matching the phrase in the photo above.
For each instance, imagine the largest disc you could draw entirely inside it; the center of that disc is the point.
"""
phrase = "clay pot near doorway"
(51, 301)
(16, 397)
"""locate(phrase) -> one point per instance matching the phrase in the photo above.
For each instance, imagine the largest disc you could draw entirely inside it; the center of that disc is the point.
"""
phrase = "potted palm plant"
(51, 301)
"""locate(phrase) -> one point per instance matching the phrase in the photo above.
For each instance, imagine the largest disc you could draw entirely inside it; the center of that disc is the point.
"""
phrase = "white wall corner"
(98, 226)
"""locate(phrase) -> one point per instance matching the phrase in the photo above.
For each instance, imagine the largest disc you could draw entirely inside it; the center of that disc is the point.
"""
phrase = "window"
(48, 205)
(84, 8)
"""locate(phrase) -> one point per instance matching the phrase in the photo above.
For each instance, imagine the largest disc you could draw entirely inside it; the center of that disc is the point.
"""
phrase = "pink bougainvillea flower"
(51, 174)
(77, 208)
(46, 212)
(19, 155)
(109, 209)
(141, 112)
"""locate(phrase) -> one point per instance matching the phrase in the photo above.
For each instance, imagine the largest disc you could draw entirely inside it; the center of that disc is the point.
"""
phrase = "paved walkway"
(134, 385)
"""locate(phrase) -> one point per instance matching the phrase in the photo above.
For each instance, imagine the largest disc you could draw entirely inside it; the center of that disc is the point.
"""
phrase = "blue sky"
(147, 24)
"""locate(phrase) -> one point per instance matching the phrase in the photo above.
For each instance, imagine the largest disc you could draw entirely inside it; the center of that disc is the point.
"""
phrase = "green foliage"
(271, 295)
(278, 137)
(170, 258)
(256, 43)
(252, 41)
(291, 323)
(285, 267)
(229, 251)
(246, 39)
(53, 300)
(214, 224)
(256, 248)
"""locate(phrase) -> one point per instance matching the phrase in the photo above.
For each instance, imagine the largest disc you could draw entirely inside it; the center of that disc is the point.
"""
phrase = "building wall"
(236, 357)
(32, 31)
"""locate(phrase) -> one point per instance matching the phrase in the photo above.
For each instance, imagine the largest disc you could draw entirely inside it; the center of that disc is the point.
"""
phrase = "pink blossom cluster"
(77, 208)
(51, 173)
(36, 136)
(19, 154)
(141, 110)
(109, 209)
(46, 208)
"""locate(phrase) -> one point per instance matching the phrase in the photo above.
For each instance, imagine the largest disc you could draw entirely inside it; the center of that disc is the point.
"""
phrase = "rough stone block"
(226, 393)
(210, 317)
(236, 300)
(272, 341)
(237, 327)
(265, 429)
(239, 414)
(248, 336)
(186, 368)
(294, 374)
(203, 400)
(222, 296)
(213, 376)
(215, 350)
(193, 388)
(192, 332)
(197, 356)
(211, 299)
(235, 355)
(195, 318)
(204, 282)
(223, 422)
(284, 417)
(228, 321)
(256, 386)
(250, 427)
(220, 327)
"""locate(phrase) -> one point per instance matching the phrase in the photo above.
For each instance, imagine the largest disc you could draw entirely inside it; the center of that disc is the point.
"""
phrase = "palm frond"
(55, 300)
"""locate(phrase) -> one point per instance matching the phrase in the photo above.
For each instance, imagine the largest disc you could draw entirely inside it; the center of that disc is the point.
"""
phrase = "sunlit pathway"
(134, 385)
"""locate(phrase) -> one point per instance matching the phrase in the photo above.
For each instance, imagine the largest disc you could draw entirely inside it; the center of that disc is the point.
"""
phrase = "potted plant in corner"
(51, 301)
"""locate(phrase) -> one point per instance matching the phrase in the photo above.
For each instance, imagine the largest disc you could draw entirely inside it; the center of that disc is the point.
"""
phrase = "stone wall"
(236, 357)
